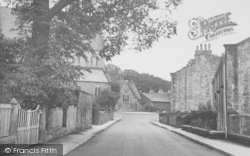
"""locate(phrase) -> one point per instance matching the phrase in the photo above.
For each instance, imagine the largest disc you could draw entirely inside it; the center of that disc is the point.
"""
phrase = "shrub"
(204, 119)
(107, 99)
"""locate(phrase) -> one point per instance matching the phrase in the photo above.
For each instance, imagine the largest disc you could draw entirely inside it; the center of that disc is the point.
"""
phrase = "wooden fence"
(5, 114)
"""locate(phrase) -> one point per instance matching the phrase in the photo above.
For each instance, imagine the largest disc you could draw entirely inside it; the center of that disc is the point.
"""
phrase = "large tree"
(114, 72)
(60, 30)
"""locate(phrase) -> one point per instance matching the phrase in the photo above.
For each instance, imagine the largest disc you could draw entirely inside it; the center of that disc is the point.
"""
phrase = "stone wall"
(84, 111)
(238, 86)
(239, 124)
(238, 76)
(101, 117)
(173, 119)
(55, 118)
(191, 86)
(71, 118)
(55, 123)
(104, 117)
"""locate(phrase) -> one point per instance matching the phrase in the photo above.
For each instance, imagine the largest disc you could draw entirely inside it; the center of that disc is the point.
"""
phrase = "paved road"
(134, 135)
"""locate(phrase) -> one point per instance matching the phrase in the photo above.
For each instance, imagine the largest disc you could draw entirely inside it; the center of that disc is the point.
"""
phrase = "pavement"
(223, 146)
(72, 141)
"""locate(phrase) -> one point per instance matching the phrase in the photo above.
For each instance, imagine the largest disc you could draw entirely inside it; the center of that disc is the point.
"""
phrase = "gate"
(28, 126)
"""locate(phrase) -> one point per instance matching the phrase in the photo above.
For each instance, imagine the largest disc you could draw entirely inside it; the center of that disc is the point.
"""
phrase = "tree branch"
(58, 7)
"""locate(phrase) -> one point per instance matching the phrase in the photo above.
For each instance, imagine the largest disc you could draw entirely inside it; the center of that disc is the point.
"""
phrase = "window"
(125, 98)
(97, 91)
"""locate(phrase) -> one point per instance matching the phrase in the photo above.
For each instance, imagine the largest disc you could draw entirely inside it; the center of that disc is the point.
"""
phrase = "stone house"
(130, 99)
(231, 89)
(191, 85)
(156, 101)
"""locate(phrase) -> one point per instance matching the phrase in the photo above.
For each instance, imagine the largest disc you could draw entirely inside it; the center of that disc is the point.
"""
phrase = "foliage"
(78, 20)
(207, 107)
(144, 82)
(107, 99)
(115, 72)
(115, 87)
(54, 36)
(11, 54)
(204, 119)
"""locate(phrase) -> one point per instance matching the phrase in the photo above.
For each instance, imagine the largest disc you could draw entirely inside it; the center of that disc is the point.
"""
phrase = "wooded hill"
(143, 81)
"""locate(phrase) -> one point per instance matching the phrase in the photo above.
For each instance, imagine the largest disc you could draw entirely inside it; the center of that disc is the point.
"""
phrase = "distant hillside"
(143, 81)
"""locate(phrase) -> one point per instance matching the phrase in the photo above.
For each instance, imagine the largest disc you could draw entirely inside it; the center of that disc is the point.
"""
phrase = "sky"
(170, 55)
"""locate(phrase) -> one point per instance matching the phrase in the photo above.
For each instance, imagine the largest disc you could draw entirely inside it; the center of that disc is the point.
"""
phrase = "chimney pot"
(205, 46)
(200, 46)
(209, 46)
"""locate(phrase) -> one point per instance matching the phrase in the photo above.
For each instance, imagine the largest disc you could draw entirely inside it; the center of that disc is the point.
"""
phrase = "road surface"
(134, 135)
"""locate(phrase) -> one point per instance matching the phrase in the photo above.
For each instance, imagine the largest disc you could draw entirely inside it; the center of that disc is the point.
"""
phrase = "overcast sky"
(170, 55)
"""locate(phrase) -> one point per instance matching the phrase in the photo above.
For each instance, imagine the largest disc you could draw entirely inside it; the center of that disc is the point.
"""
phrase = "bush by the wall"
(202, 119)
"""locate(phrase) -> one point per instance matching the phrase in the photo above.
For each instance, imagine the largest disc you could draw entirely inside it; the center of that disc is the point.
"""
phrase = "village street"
(134, 135)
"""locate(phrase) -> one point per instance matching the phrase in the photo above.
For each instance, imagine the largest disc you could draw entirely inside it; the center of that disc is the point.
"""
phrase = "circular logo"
(7, 150)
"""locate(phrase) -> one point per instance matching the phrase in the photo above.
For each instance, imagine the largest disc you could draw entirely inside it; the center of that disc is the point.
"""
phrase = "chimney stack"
(151, 91)
(201, 51)
(160, 91)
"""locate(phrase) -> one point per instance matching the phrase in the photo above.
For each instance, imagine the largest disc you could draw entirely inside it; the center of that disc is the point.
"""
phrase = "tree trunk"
(40, 28)
(41, 25)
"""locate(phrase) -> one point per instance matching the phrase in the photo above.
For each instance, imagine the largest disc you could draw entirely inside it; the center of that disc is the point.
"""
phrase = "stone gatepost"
(14, 116)
(42, 126)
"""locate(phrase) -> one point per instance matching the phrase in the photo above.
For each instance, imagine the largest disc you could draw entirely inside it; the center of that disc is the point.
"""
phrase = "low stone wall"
(204, 132)
(239, 124)
(164, 118)
(171, 118)
(84, 111)
(71, 118)
(101, 117)
(55, 118)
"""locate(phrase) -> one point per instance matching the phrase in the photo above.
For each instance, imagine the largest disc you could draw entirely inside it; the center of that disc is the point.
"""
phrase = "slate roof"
(96, 75)
(157, 97)
(134, 90)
